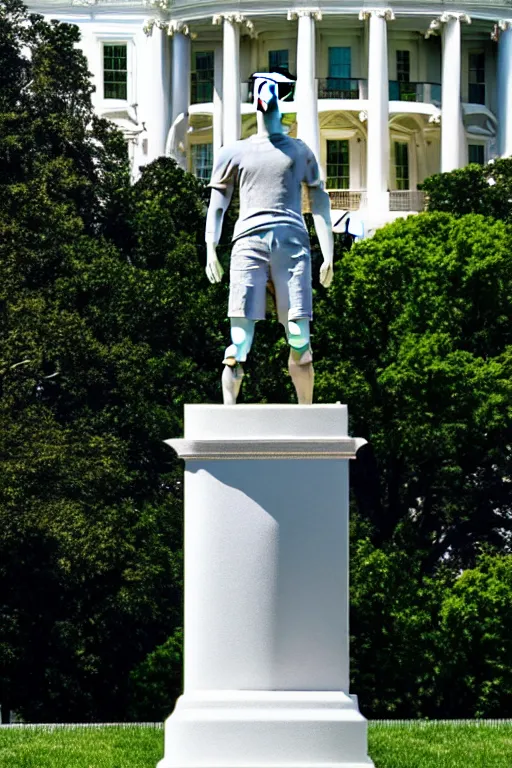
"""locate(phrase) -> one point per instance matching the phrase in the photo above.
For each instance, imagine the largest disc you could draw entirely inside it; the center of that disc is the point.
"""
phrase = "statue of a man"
(270, 241)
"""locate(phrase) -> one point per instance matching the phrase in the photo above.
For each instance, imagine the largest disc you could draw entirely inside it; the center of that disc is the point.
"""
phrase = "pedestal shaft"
(266, 575)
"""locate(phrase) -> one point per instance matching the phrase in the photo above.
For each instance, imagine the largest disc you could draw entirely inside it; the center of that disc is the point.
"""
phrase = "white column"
(306, 92)
(180, 73)
(377, 163)
(154, 90)
(505, 89)
(231, 118)
(180, 89)
(266, 678)
(451, 116)
(217, 101)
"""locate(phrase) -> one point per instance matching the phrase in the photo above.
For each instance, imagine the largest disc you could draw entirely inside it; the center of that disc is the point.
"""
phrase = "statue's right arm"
(222, 185)
(219, 203)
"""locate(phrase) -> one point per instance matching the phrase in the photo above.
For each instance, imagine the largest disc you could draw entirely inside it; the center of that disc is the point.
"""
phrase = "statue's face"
(265, 95)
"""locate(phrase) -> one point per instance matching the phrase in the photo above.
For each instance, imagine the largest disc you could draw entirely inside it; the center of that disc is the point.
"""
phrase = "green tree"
(396, 643)
(158, 680)
(101, 341)
(415, 336)
(476, 623)
(483, 189)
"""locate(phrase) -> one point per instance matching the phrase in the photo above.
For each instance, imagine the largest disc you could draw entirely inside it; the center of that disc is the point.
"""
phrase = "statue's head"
(270, 88)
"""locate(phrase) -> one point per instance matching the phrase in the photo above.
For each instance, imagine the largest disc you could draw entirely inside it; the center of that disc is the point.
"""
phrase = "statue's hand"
(326, 273)
(214, 269)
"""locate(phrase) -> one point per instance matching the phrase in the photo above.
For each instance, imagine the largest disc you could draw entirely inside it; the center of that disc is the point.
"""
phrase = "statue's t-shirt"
(270, 171)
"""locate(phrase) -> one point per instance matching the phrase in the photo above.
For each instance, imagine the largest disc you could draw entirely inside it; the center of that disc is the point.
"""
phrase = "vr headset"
(284, 83)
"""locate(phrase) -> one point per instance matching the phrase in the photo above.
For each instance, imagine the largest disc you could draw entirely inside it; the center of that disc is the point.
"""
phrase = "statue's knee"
(242, 334)
(299, 341)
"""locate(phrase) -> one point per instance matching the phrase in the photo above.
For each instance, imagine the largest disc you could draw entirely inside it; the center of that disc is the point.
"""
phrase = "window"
(202, 77)
(476, 86)
(402, 165)
(476, 153)
(340, 62)
(115, 71)
(403, 66)
(202, 160)
(402, 89)
(277, 60)
(338, 164)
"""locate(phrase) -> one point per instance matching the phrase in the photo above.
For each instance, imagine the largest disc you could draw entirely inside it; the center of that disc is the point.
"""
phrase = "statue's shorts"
(281, 255)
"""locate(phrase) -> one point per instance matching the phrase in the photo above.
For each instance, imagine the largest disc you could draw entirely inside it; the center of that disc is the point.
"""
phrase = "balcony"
(347, 199)
(427, 93)
(345, 88)
(406, 200)
(341, 199)
(355, 199)
(342, 88)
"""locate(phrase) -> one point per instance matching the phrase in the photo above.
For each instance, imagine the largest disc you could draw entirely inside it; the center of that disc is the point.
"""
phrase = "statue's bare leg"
(300, 362)
(242, 335)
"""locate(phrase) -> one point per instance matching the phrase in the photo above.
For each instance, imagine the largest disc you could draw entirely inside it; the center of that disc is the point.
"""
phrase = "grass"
(109, 747)
(417, 745)
(433, 745)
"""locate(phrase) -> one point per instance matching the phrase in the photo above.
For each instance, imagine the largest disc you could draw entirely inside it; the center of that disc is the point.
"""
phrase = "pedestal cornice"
(217, 432)
(221, 450)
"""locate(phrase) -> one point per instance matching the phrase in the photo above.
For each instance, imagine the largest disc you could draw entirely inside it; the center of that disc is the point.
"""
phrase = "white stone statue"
(270, 242)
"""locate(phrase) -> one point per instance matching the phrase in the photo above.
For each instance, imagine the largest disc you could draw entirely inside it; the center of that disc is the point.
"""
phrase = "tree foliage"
(482, 189)
(476, 624)
(99, 347)
(415, 337)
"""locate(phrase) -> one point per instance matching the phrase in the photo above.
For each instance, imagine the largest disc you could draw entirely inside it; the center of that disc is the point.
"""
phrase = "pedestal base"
(266, 729)
(266, 674)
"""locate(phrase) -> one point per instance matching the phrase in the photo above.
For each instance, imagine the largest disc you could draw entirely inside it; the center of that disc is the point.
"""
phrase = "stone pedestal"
(266, 681)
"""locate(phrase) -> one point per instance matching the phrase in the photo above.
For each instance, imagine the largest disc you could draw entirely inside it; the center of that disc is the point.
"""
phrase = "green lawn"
(431, 745)
(422, 745)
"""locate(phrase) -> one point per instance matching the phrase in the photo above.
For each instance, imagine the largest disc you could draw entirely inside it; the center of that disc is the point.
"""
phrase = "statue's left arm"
(321, 210)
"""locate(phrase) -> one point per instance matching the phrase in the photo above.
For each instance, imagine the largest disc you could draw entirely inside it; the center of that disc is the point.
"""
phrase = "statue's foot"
(231, 380)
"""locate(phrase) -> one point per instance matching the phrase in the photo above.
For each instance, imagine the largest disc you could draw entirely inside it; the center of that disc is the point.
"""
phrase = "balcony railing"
(355, 199)
(353, 88)
(406, 200)
(346, 199)
(342, 88)
(428, 93)
(341, 199)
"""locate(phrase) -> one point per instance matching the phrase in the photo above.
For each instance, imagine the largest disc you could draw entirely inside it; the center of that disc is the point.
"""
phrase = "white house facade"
(386, 95)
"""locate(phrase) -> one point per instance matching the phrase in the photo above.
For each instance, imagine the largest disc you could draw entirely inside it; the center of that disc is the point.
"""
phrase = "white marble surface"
(218, 422)
(266, 678)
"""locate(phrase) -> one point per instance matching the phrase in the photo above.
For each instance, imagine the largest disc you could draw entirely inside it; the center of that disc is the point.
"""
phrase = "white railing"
(406, 200)
(355, 199)
(341, 199)
(347, 199)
